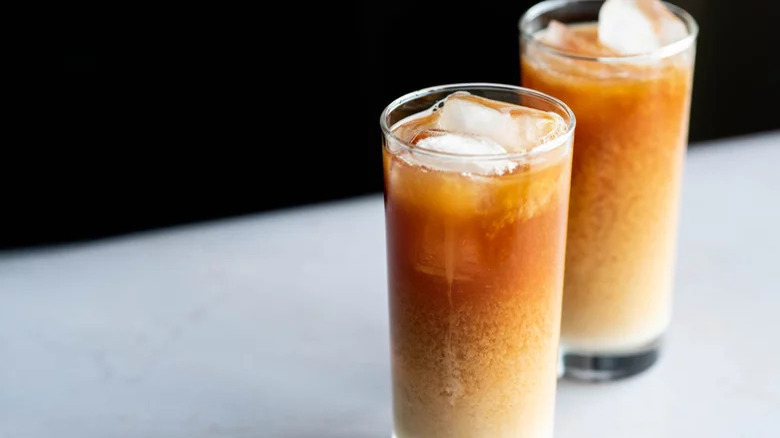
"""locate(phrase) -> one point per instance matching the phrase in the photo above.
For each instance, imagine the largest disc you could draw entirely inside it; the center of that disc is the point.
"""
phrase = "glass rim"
(538, 150)
(666, 51)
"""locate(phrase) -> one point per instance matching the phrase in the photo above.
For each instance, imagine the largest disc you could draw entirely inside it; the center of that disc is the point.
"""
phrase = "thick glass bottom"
(602, 367)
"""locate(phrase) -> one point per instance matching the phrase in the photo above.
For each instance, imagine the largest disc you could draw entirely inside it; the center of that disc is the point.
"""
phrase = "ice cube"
(515, 128)
(561, 37)
(459, 144)
(638, 26)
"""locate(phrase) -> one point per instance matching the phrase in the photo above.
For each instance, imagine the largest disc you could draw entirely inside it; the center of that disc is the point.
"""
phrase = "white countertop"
(275, 325)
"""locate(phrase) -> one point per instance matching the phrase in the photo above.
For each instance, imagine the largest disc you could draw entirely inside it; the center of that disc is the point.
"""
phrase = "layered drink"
(476, 196)
(625, 68)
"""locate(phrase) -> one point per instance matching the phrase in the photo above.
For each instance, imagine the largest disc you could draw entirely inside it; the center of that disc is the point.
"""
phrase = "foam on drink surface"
(471, 134)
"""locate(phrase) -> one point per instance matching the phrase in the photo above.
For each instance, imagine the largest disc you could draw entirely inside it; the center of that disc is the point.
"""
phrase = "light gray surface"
(275, 326)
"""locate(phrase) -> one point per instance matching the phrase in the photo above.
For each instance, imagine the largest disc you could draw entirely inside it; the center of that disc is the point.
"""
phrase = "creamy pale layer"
(632, 125)
(475, 268)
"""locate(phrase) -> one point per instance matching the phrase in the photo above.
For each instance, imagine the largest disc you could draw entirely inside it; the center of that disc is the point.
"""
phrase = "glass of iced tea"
(625, 67)
(476, 197)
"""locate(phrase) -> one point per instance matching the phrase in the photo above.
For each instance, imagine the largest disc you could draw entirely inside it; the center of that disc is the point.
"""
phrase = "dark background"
(158, 117)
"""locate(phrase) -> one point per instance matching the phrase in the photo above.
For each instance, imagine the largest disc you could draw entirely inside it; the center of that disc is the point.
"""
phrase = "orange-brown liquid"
(632, 125)
(475, 269)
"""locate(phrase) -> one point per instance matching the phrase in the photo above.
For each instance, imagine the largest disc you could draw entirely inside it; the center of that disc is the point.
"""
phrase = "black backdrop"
(157, 117)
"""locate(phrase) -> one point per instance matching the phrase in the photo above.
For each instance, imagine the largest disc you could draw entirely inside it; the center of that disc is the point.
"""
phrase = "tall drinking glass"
(475, 246)
(632, 114)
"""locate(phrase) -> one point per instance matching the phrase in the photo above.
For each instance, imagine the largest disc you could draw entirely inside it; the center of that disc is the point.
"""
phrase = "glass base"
(602, 367)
